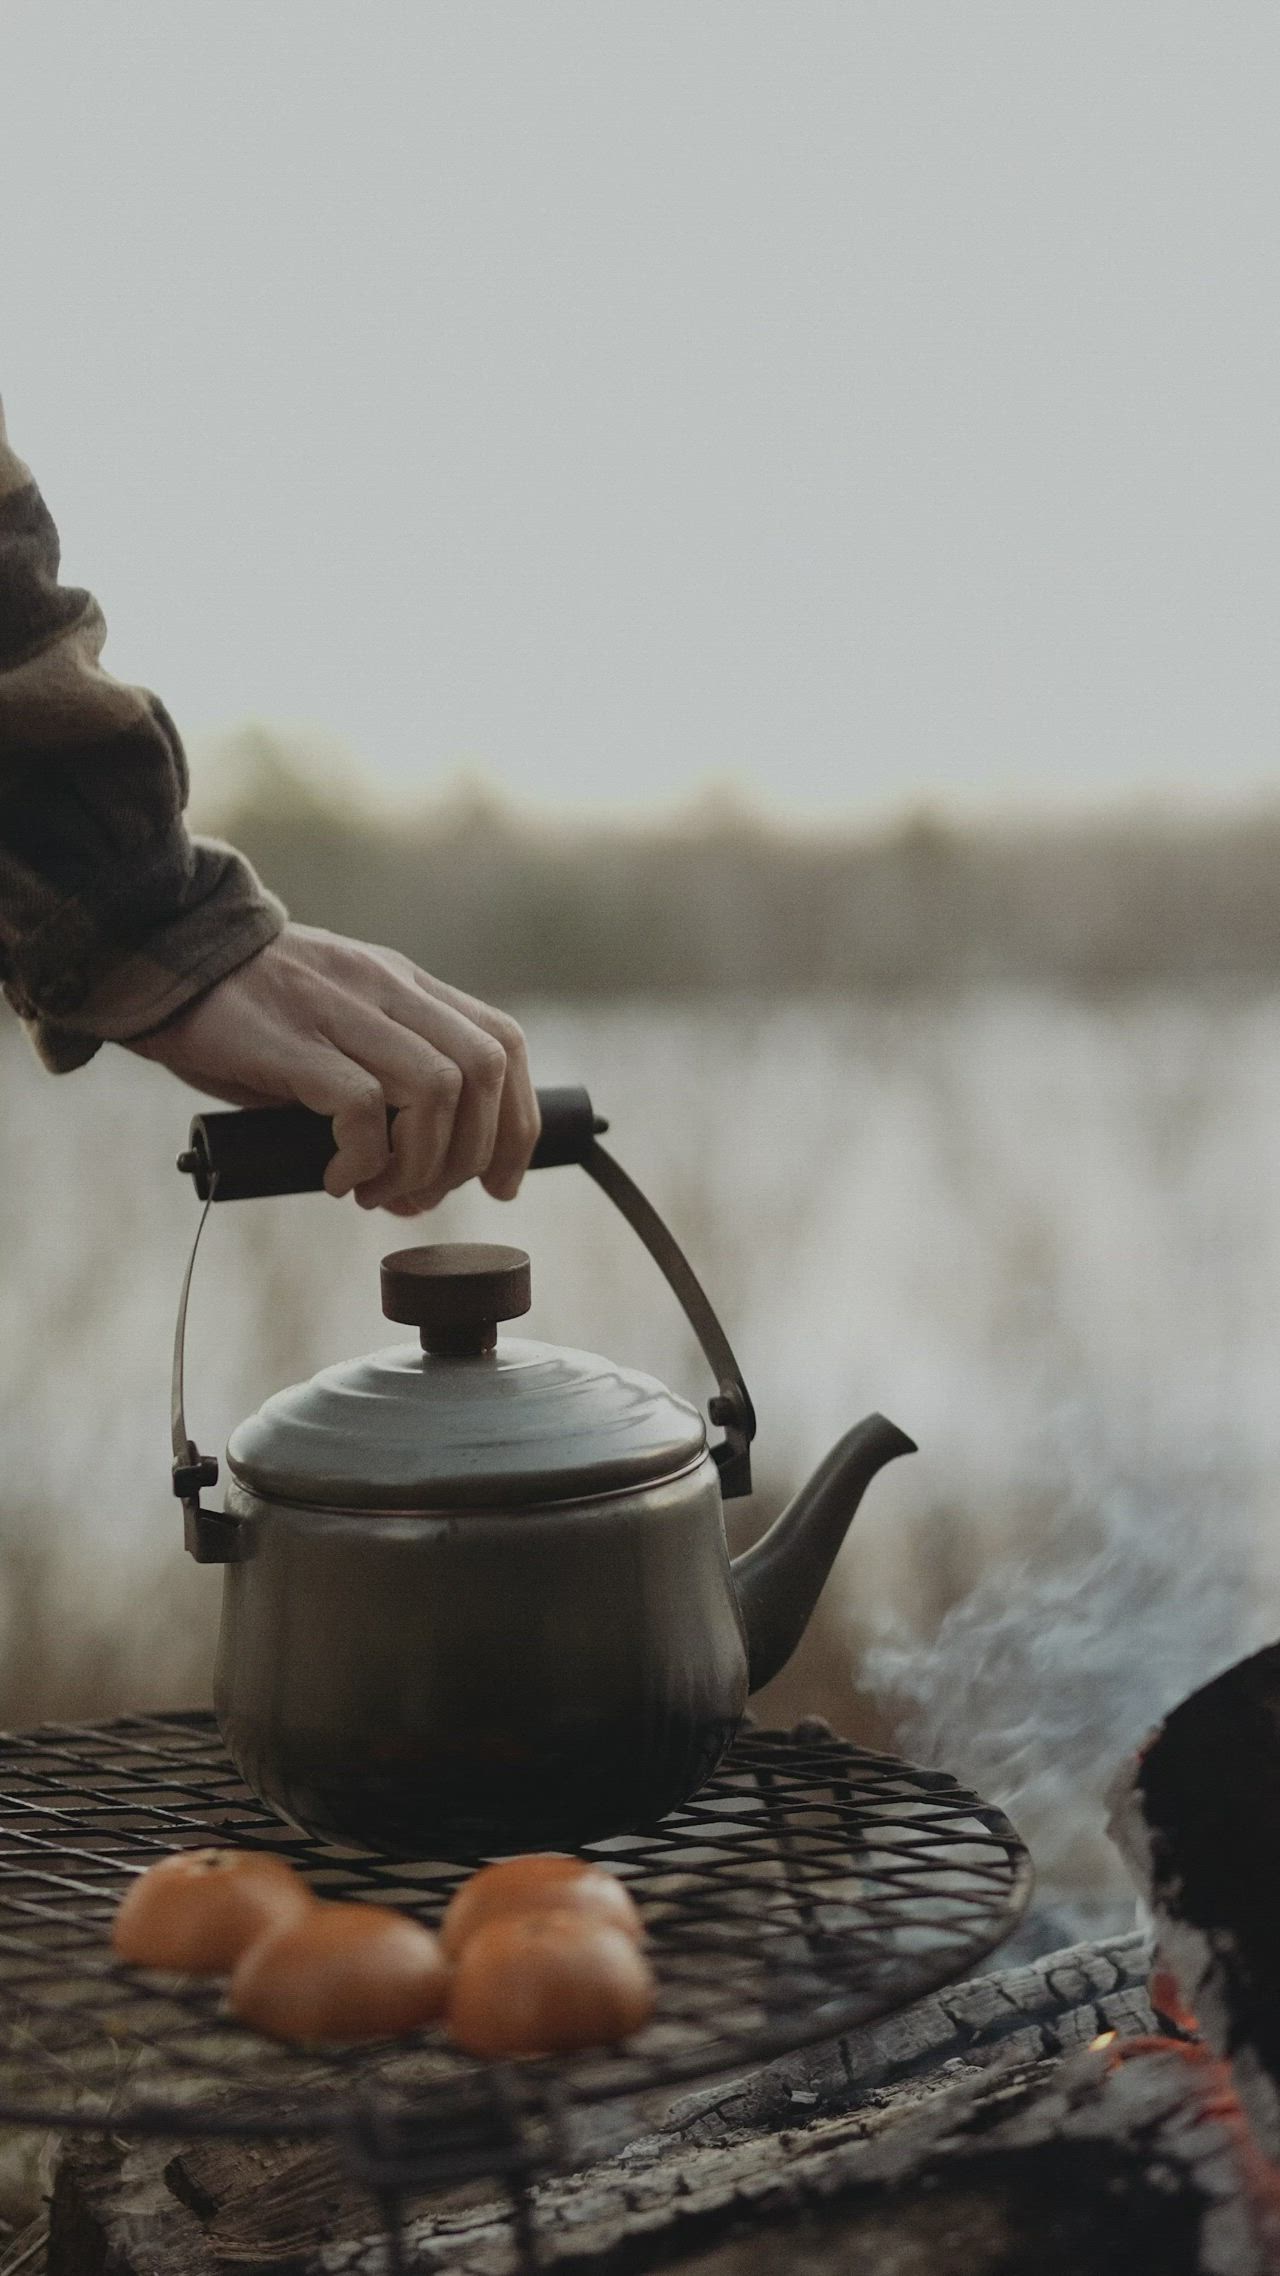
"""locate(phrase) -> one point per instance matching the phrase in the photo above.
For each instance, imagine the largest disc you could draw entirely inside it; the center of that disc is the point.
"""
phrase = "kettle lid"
(464, 1420)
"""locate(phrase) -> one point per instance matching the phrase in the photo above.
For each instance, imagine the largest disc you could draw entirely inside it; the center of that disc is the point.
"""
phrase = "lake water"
(1042, 1234)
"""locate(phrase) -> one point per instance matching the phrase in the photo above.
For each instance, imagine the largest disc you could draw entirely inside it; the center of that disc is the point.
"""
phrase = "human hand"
(350, 1030)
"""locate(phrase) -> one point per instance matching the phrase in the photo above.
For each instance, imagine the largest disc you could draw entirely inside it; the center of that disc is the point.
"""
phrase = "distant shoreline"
(718, 900)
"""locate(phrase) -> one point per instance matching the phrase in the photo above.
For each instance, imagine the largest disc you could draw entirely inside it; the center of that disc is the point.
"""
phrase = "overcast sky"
(865, 399)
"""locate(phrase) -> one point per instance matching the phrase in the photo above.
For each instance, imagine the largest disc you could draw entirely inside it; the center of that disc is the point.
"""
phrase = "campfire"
(1111, 2107)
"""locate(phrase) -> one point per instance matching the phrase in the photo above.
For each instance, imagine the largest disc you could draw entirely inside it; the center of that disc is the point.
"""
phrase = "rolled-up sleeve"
(112, 916)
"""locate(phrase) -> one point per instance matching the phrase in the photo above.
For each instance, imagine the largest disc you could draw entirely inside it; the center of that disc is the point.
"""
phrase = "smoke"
(1055, 1665)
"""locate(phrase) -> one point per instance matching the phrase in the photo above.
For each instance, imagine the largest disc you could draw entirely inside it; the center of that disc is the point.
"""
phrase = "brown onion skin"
(200, 1909)
(523, 1885)
(347, 1972)
(545, 1983)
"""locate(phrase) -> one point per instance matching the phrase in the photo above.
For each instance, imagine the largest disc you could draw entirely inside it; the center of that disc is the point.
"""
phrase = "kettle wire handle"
(251, 1152)
(211, 1538)
(732, 1407)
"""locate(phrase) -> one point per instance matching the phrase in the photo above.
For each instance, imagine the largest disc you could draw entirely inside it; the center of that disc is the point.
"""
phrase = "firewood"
(1198, 1818)
(760, 2149)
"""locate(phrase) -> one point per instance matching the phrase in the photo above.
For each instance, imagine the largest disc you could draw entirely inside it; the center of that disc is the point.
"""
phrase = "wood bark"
(1063, 2167)
(777, 2151)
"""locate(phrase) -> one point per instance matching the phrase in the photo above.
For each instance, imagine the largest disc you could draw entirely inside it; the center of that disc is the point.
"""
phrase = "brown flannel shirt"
(112, 916)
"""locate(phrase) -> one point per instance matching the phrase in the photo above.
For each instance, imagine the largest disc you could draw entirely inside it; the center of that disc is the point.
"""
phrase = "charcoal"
(1072, 2167)
(1198, 1818)
(869, 2154)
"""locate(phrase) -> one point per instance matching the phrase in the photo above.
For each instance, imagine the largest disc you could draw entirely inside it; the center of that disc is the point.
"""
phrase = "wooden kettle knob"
(455, 1293)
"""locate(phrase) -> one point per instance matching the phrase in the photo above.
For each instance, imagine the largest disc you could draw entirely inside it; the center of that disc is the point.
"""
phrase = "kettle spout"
(779, 1581)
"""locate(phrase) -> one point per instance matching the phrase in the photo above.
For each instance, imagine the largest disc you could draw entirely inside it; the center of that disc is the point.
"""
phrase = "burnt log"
(1074, 2167)
(759, 2151)
(1197, 1816)
(1049, 2007)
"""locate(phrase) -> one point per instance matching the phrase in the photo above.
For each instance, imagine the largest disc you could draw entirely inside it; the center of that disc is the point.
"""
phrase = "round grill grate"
(809, 1887)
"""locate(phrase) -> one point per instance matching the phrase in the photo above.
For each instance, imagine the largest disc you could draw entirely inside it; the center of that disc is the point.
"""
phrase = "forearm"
(112, 917)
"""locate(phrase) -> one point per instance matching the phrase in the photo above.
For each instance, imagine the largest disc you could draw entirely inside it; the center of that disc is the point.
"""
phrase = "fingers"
(519, 1117)
(421, 1135)
(495, 1118)
(466, 1106)
(446, 1076)
(382, 1064)
(519, 1120)
(330, 1083)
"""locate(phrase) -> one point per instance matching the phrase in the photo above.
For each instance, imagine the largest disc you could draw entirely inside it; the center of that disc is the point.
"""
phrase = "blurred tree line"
(718, 899)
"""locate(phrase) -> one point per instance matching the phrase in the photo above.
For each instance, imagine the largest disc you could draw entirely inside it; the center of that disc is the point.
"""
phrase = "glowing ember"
(1215, 2099)
(1103, 2039)
(1170, 2006)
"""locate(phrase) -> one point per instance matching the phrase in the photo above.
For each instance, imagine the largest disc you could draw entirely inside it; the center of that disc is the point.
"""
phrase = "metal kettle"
(477, 1594)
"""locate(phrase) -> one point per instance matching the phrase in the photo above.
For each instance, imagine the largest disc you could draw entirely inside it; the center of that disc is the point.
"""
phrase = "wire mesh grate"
(809, 1887)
